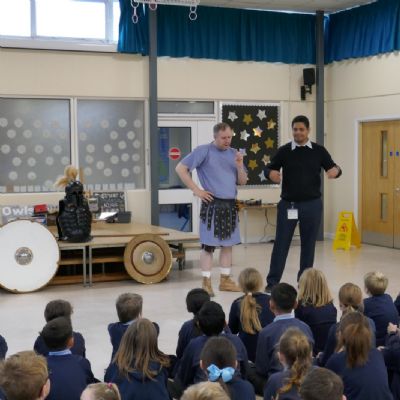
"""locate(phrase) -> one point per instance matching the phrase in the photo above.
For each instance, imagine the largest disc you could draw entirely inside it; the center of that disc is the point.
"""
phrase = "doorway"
(380, 215)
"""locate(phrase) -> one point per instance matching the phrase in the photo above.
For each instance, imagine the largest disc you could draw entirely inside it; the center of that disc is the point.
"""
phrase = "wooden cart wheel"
(148, 258)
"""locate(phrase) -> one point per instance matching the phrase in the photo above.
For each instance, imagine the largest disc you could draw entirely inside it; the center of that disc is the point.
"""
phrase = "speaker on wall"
(309, 76)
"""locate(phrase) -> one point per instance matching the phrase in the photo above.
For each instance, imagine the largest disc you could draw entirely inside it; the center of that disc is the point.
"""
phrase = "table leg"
(84, 265)
(245, 226)
(90, 266)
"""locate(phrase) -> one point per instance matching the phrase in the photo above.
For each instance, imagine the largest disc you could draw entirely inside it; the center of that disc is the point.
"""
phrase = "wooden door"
(378, 183)
(396, 156)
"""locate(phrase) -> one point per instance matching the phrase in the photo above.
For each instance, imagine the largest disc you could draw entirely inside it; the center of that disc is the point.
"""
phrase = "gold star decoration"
(247, 119)
(269, 143)
(255, 148)
(271, 124)
(253, 164)
(257, 131)
(265, 159)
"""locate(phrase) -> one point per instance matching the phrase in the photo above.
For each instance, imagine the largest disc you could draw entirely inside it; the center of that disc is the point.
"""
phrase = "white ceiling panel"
(328, 6)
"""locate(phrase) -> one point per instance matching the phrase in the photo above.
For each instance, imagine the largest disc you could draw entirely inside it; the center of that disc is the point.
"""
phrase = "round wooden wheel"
(148, 258)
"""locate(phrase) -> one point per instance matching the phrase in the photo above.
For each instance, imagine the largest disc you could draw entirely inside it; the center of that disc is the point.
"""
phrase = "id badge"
(293, 213)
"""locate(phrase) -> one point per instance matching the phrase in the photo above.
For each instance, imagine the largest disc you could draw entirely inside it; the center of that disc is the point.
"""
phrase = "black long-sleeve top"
(301, 170)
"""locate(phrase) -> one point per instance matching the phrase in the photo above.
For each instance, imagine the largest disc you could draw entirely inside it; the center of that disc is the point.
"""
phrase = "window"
(34, 143)
(111, 144)
(38, 23)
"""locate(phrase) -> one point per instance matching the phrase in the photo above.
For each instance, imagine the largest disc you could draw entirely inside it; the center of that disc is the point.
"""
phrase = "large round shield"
(29, 256)
(147, 258)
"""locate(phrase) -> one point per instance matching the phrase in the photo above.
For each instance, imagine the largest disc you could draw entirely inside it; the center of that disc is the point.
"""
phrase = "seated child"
(295, 354)
(189, 330)
(350, 299)
(315, 306)
(55, 309)
(379, 305)
(360, 365)
(211, 319)
(205, 391)
(69, 373)
(282, 304)
(139, 367)
(321, 383)
(250, 313)
(101, 391)
(129, 309)
(24, 376)
(218, 361)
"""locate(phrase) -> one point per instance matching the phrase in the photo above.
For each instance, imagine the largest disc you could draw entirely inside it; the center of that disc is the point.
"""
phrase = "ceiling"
(288, 5)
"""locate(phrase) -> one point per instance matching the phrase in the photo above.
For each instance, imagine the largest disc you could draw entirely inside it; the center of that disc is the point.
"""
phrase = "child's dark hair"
(57, 308)
(220, 352)
(138, 349)
(195, 300)
(284, 296)
(129, 307)
(321, 383)
(211, 318)
(56, 333)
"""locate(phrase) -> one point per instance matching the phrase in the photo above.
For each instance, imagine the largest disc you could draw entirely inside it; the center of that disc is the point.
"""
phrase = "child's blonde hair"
(205, 391)
(376, 283)
(350, 298)
(250, 281)
(296, 348)
(313, 288)
(103, 391)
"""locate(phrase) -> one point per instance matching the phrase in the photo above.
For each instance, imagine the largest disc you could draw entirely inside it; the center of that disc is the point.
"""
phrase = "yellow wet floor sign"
(346, 232)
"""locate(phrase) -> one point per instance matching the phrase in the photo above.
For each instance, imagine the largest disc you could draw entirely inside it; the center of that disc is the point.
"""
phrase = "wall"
(363, 89)
(57, 73)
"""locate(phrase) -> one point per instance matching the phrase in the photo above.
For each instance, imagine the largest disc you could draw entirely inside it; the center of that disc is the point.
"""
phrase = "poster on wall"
(255, 133)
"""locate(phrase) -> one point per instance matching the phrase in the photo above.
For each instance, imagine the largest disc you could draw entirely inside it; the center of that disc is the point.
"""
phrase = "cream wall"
(66, 73)
(363, 89)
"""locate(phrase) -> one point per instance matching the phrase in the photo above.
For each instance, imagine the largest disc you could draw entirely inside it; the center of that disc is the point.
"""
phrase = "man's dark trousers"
(309, 219)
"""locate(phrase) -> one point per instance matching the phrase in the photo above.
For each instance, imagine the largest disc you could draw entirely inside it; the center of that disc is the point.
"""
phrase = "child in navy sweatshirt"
(139, 367)
(190, 329)
(295, 354)
(55, 309)
(3, 348)
(360, 365)
(69, 373)
(379, 305)
(211, 318)
(315, 306)
(282, 304)
(250, 313)
(129, 308)
(219, 362)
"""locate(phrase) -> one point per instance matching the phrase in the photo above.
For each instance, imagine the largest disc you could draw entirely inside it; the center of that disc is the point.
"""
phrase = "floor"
(22, 315)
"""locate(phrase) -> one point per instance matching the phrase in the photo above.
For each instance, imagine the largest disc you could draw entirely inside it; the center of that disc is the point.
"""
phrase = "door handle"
(397, 189)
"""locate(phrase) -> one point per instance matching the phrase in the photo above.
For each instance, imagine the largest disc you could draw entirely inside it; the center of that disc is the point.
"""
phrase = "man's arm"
(183, 172)
(272, 169)
(241, 171)
(332, 170)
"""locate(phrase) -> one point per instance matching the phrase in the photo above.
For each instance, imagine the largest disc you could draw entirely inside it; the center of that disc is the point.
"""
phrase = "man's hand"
(332, 173)
(239, 159)
(275, 176)
(392, 328)
(203, 195)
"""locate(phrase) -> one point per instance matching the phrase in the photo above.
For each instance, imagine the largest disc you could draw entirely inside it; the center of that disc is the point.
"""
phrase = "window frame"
(35, 41)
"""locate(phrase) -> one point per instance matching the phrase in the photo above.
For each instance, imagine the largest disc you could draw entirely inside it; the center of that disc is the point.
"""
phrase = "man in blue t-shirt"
(300, 161)
(219, 168)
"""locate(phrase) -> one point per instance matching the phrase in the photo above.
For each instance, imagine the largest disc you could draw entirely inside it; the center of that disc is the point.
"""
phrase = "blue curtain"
(223, 34)
(133, 38)
(363, 31)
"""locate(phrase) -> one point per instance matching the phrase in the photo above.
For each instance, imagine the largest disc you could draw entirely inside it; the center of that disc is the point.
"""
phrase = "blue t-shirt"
(215, 168)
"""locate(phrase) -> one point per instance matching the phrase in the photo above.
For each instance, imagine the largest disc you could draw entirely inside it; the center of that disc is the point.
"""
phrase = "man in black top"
(301, 161)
